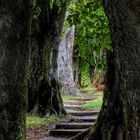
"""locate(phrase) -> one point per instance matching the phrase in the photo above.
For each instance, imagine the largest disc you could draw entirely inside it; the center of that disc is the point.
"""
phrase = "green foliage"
(59, 3)
(92, 32)
(35, 10)
(85, 81)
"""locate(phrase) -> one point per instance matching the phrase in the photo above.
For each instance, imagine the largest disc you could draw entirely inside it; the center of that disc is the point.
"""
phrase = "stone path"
(81, 120)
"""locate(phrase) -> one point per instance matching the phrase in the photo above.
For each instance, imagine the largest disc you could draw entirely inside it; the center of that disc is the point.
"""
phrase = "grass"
(95, 104)
(33, 121)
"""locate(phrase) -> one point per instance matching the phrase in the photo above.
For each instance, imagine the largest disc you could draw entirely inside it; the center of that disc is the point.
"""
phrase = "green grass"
(33, 121)
(95, 104)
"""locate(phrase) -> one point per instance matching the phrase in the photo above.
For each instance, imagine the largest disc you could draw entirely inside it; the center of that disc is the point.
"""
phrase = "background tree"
(14, 50)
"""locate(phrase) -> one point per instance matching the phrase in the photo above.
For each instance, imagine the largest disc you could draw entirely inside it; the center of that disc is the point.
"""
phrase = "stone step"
(74, 102)
(73, 125)
(83, 113)
(84, 119)
(75, 107)
(66, 132)
(85, 99)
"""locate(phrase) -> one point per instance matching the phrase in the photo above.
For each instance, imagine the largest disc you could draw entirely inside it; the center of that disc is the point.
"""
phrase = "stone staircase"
(81, 120)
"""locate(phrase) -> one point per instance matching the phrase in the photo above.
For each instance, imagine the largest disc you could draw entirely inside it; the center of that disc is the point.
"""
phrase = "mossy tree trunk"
(119, 118)
(48, 29)
(14, 50)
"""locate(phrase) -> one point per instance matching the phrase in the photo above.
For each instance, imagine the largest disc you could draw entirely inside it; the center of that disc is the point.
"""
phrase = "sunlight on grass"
(95, 104)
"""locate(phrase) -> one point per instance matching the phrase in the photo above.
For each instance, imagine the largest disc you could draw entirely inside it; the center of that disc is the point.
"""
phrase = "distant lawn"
(95, 104)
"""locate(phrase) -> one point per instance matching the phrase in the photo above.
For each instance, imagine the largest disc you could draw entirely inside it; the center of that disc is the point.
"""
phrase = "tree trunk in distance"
(76, 70)
(14, 53)
(119, 118)
(65, 63)
(91, 74)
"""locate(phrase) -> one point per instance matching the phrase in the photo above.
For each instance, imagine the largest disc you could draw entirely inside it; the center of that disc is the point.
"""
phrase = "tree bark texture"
(45, 89)
(65, 63)
(119, 118)
(35, 67)
(14, 50)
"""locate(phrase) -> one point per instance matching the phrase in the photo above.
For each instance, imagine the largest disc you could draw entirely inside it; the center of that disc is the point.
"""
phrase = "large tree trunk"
(14, 50)
(46, 92)
(119, 118)
(65, 63)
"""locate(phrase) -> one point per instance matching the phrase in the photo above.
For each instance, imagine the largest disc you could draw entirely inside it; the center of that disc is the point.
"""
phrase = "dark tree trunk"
(46, 93)
(14, 50)
(80, 78)
(76, 70)
(35, 68)
(91, 74)
(119, 118)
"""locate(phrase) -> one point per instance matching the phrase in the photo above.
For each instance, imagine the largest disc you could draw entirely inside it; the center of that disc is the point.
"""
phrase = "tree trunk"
(119, 118)
(35, 68)
(80, 78)
(65, 63)
(14, 50)
(76, 70)
(46, 88)
(91, 74)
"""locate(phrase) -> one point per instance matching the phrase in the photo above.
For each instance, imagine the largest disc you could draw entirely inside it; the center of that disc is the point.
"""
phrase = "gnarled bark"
(14, 50)
(65, 63)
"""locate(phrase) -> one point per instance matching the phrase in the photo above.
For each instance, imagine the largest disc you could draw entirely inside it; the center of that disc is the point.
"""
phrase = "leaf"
(51, 3)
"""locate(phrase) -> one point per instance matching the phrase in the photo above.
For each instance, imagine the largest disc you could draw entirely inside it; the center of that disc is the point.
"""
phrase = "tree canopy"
(92, 31)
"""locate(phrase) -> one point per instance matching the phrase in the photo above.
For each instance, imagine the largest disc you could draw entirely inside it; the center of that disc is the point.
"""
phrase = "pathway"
(81, 120)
